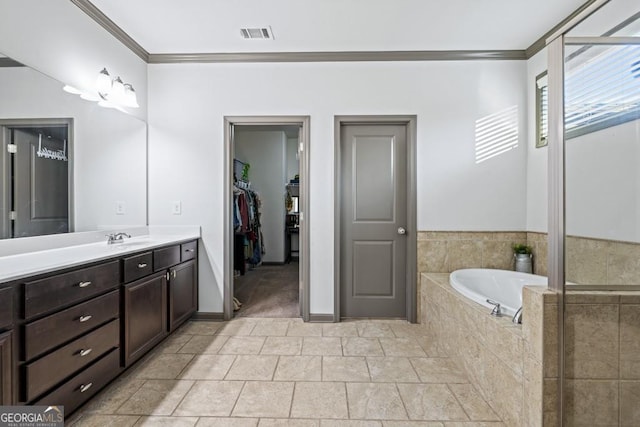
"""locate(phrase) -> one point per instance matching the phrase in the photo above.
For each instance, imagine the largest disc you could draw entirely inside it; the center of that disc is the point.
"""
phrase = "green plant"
(521, 248)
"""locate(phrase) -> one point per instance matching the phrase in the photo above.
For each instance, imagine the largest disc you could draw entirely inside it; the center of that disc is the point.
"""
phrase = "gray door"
(373, 246)
(40, 186)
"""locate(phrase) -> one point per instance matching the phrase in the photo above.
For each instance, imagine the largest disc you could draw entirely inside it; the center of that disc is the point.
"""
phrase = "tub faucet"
(496, 308)
(116, 237)
(517, 318)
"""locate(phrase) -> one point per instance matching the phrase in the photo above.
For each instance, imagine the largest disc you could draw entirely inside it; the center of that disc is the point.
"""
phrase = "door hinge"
(12, 148)
(301, 147)
(13, 215)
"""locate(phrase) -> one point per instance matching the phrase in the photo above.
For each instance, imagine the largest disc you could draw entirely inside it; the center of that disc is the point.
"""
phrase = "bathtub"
(502, 286)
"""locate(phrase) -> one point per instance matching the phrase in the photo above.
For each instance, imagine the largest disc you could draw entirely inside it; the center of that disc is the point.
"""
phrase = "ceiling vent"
(262, 33)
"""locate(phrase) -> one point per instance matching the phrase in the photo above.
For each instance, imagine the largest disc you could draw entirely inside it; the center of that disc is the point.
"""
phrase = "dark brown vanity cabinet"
(145, 315)
(65, 335)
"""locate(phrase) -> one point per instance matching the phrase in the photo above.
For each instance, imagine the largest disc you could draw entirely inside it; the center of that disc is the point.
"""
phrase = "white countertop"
(14, 267)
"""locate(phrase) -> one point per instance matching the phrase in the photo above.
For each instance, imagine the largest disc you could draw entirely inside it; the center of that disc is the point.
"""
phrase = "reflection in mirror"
(67, 164)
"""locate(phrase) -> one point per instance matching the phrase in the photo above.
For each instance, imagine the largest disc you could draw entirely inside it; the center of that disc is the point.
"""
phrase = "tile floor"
(283, 372)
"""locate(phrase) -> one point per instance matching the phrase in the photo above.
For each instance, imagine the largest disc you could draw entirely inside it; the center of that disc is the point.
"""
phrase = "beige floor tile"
(163, 366)
(408, 330)
(343, 329)
(412, 424)
(174, 343)
(166, 422)
(226, 422)
(271, 329)
(431, 402)
(299, 368)
(340, 368)
(242, 345)
(237, 327)
(291, 422)
(350, 423)
(95, 420)
(403, 347)
(391, 369)
(112, 397)
(355, 346)
(200, 328)
(322, 346)
(438, 370)
(282, 346)
(375, 401)
(207, 367)
(431, 347)
(319, 400)
(264, 399)
(304, 330)
(474, 424)
(472, 403)
(374, 330)
(210, 398)
(255, 368)
(156, 397)
(204, 344)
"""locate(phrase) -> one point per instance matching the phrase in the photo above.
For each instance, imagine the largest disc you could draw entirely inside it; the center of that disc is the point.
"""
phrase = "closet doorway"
(266, 214)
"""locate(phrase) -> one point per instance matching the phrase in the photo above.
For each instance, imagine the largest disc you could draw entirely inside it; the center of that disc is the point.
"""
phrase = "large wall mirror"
(67, 164)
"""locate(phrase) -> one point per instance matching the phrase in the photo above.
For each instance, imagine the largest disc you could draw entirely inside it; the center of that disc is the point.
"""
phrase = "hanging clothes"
(246, 222)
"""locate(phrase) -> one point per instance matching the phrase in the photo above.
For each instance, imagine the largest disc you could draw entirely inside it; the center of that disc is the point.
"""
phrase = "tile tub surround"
(279, 372)
(602, 358)
(505, 362)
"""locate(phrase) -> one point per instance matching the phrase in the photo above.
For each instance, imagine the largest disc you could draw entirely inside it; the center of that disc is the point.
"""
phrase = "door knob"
(402, 231)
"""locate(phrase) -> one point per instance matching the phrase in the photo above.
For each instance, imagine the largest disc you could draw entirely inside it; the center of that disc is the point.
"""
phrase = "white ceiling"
(213, 26)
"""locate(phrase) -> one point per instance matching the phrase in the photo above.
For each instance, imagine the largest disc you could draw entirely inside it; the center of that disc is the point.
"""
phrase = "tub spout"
(517, 318)
(496, 308)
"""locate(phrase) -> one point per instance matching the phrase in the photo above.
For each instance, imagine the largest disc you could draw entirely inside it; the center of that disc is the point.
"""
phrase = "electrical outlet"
(176, 207)
(120, 208)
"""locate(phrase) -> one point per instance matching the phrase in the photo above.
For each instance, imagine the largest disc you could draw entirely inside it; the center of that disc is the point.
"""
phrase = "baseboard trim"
(208, 316)
(321, 318)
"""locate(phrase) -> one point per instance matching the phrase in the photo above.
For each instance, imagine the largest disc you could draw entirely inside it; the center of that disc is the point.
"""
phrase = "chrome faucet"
(517, 318)
(116, 238)
(496, 308)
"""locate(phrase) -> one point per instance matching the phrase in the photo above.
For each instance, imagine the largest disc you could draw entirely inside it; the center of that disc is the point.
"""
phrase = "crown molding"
(103, 20)
(8, 62)
(540, 44)
(355, 56)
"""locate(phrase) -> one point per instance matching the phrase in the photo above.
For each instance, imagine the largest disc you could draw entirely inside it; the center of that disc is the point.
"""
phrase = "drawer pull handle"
(83, 284)
(189, 250)
(85, 318)
(83, 353)
(85, 387)
(142, 265)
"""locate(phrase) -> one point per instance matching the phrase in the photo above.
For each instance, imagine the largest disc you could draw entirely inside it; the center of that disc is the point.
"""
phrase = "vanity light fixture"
(115, 91)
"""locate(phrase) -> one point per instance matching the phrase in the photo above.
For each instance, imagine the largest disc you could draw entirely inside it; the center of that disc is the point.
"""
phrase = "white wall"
(265, 152)
(109, 148)
(293, 163)
(58, 39)
(187, 104)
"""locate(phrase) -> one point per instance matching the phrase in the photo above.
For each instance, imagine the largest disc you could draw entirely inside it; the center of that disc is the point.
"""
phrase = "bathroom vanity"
(68, 328)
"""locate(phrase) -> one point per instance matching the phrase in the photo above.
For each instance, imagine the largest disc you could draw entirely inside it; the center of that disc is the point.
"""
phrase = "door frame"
(304, 277)
(409, 121)
(5, 124)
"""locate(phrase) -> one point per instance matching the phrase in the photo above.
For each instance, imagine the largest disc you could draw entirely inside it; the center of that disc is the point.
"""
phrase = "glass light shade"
(130, 98)
(117, 92)
(103, 82)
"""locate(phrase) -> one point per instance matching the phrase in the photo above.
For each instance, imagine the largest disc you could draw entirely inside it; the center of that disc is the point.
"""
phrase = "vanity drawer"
(166, 257)
(57, 291)
(138, 266)
(47, 333)
(46, 372)
(6, 307)
(188, 250)
(87, 383)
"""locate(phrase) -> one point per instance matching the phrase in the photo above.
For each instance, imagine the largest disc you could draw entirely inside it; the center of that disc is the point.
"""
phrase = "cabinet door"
(145, 315)
(6, 368)
(183, 293)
